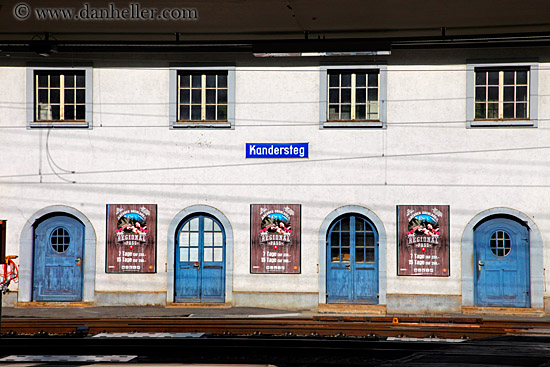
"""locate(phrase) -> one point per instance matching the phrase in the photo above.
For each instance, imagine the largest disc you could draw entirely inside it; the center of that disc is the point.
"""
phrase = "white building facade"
(463, 128)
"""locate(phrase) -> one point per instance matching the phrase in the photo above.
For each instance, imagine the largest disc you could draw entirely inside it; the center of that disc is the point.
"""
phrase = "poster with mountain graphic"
(131, 238)
(275, 238)
(423, 240)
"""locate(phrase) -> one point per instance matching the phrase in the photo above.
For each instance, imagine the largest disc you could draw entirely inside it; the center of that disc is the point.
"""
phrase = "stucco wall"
(426, 155)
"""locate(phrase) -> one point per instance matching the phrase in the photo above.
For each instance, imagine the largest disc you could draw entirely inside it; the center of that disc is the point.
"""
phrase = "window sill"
(502, 123)
(352, 124)
(59, 124)
(201, 125)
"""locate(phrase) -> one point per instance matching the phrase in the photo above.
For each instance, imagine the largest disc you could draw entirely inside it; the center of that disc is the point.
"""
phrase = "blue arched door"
(501, 263)
(200, 261)
(58, 259)
(352, 261)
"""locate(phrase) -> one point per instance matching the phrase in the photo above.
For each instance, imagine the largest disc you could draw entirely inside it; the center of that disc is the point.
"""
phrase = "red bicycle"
(8, 273)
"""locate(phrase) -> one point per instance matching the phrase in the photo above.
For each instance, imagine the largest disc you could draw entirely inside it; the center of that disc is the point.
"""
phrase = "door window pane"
(208, 254)
(194, 254)
(218, 254)
(184, 254)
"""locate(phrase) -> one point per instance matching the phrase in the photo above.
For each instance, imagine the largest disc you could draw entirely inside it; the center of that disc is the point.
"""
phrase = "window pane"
(346, 80)
(194, 224)
(509, 77)
(481, 78)
(372, 111)
(54, 81)
(208, 224)
(345, 251)
(492, 110)
(346, 95)
(194, 254)
(69, 112)
(480, 111)
(373, 79)
(69, 81)
(345, 224)
(333, 112)
(334, 239)
(222, 96)
(211, 113)
(218, 239)
(480, 94)
(80, 96)
(360, 112)
(69, 95)
(334, 80)
(333, 95)
(42, 96)
(359, 254)
(335, 254)
(208, 254)
(210, 96)
(195, 96)
(184, 239)
(360, 95)
(80, 81)
(80, 112)
(521, 93)
(222, 113)
(361, 80)
(56, 113)
(185, 95)
(184, 112)
(360, 239)
(373, 94)
(521, 77)
(196, 81)
(185, 80)
(493, 94)
(222, 81)
(521, 110)
(493, 77)
(42, 80)
(195, 113)
(44, 112)
(210, 81)
(508, 93)
(508, 110)
(218, 254)
(193, 239)
(370, 254)
(184, 255)
(346, 112)
(54, 95)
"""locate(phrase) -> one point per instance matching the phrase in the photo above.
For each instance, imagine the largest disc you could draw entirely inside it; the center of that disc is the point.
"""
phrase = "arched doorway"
(200, 260)
(352, 261)
(501, 262)
(58, 259)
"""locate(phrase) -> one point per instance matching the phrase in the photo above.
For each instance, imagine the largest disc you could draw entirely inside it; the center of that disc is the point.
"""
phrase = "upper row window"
(353, 96)
(202, 96)
(59, 97)
(502, 95)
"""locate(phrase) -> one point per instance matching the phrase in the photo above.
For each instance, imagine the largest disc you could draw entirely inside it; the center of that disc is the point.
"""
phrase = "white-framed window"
(502, 95)
(353, 96)
(202, 97)
(59, 96)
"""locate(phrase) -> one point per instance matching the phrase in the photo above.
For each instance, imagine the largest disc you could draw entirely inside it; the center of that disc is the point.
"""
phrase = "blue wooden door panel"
(352, 261)
(58, 260)
(501, 248)
(200, 261)
(365, 288)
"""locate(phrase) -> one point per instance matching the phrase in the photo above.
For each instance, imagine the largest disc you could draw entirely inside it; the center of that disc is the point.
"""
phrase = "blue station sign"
(277, 150)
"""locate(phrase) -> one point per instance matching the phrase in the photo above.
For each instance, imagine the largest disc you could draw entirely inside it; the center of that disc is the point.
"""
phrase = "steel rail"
(323, 327)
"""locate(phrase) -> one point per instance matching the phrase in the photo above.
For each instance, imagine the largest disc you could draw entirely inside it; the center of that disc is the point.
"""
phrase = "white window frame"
(31, 91)
(173, 109)
(533, 84)
(382, 98)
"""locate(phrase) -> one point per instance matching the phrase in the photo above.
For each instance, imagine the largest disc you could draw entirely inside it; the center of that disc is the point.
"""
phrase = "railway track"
(319, 326)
